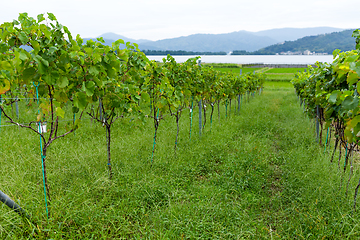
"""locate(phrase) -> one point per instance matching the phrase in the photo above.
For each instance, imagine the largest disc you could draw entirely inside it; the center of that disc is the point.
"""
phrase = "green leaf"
(66, 30)
(23, 38)
(23, 56)
(60, 96)
(336, 52)
(348, 134)
(79, 40)
(89, 88)
(51, 16)
(5, 65)
(352, 78)
(355, 67)
(90, 84)
(122, 54)
(98, 82)
(40, 18)
(356, 33)
(42, 68)
(80, 100)
(48, 79)
(42, 64)
(55, 75)
(45, 62)
(350, 103)
(52, 49)
(352, 58)
(93, 70)
(75, 109)
(3, 48)
(35, 45)
(11, 42)
(187, 92)
(145, 97)
(4, 86)
(329, 112)
(28, 74)
(60, 112)
(111, 73)
(332, 98)
(117, 43)
(353, 122)
(88, 50)
(63, 82)
(100, 39)
(37, 58)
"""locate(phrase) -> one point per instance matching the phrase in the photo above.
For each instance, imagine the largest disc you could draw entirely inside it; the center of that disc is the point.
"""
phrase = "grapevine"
(330, 94)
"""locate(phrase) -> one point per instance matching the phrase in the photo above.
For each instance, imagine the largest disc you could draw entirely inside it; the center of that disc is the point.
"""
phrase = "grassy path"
(257, 175)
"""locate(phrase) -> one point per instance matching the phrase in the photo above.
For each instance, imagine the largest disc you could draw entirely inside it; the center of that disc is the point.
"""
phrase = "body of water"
(265, 59)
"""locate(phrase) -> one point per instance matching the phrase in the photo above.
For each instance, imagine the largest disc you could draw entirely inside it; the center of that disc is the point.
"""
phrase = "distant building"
(306, 52)
(291, 53)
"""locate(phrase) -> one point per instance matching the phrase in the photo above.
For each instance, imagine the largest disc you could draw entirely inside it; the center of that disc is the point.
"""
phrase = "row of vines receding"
(329, 93)
(42, 64)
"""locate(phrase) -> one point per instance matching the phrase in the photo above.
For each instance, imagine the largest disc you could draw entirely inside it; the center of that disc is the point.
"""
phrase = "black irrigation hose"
(11, 204)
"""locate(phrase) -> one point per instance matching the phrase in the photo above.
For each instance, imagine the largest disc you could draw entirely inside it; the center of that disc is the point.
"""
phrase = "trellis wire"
(60, 120)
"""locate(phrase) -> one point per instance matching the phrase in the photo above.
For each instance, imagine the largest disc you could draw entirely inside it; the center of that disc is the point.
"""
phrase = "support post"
(317, 123)
(17, 107)
(200, 115)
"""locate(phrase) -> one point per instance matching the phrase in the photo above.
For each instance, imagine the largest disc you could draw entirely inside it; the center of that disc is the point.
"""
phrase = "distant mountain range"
(323, 43)
(213, 42)
(241, 40)
(291, 34)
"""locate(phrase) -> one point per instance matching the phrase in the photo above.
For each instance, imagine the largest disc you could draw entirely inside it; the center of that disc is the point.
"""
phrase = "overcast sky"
(159, 19)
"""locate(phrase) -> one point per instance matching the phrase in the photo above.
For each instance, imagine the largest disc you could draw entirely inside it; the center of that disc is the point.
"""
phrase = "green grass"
(278, 85)
(222, 65)
(257, 175)
(281, 74)
(237, 70)
(272, 74)
(287, 77)
(284, 70)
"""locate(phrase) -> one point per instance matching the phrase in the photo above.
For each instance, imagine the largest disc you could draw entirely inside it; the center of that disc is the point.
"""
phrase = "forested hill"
(324, 43)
